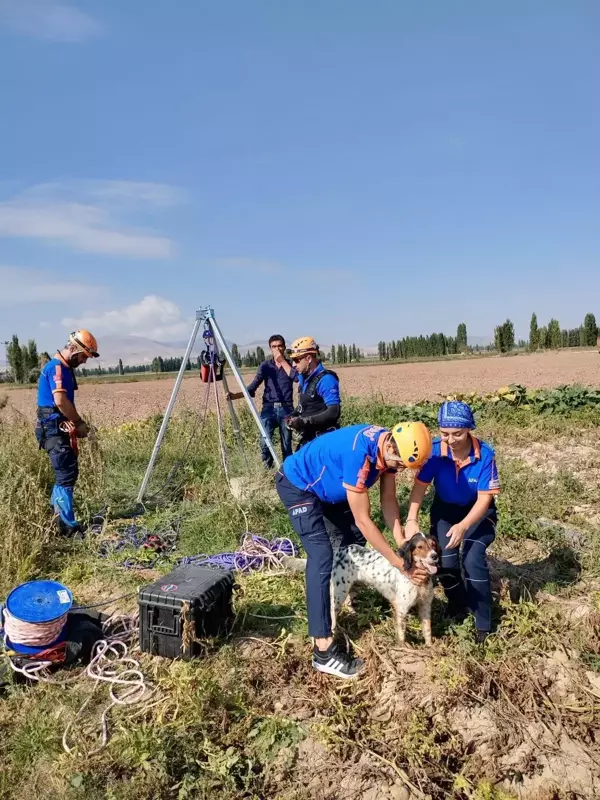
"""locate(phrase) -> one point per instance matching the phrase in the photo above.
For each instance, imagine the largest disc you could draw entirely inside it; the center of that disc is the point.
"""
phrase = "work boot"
(62, 503)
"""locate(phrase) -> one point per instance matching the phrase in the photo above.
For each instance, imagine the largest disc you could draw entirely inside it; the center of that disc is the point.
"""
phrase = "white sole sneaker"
(336, 668)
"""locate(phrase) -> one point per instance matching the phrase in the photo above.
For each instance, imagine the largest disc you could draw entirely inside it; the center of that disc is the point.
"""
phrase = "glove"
(82, 429)
(296, 423)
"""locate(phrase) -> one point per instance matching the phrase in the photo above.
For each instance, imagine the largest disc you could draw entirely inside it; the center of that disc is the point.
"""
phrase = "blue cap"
(39, 601)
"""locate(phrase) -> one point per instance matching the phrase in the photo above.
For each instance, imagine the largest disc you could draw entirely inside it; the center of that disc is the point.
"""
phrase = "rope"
(139, 538)
(200, 420)
(32, 634)
(112, 665)
(255, 552)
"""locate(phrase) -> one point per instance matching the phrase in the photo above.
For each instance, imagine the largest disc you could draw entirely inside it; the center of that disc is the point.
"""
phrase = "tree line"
(436, 344)
(547, 337)
(25, 362)
(552, 336)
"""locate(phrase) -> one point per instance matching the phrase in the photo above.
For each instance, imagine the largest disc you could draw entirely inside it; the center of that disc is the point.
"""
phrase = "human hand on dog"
(411, 528)
(455, 536)
(418, 575)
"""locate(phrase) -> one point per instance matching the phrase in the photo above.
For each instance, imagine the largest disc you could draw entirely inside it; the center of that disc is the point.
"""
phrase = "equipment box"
(187, 604)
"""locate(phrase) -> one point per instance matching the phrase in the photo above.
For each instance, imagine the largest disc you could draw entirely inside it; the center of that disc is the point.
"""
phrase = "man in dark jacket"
(277, 374)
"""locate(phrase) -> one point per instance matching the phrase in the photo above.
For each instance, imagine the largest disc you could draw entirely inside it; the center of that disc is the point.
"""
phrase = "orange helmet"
(303, 346)
(84, 342)
(413, 441)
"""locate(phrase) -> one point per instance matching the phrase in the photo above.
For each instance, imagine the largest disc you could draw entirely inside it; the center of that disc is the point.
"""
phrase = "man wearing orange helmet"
(325, 489)
(59, 424)
(319, 404)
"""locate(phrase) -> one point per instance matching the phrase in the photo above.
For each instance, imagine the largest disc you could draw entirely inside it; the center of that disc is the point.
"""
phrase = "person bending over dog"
(465, 478)
(324, 487)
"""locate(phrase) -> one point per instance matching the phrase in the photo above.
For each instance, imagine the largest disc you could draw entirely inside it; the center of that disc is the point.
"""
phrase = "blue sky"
(351, 170)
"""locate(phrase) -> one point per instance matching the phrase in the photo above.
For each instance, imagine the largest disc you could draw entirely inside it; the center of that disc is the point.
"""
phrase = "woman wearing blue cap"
(465, 479)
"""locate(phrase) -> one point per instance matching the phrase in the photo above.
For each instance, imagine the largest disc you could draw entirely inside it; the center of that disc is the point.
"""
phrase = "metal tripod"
(207, 315)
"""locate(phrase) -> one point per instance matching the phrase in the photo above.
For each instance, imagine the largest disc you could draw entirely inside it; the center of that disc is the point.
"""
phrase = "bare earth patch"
(114, 403)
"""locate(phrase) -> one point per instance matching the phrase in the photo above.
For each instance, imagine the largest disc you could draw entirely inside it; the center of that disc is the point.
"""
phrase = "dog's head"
(421, 550)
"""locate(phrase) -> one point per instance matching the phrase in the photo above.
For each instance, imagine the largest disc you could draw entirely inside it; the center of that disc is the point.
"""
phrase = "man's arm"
(290, 369)
(389, 506)
(251, 388)
(329, 389)
(66, 407)
(360, 505)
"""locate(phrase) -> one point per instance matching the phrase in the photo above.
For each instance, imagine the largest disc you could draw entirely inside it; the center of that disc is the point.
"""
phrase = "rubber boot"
(62, 503)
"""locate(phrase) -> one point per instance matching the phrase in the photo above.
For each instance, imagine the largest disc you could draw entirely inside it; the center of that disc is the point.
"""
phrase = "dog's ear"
(436, 545)
(405, 553)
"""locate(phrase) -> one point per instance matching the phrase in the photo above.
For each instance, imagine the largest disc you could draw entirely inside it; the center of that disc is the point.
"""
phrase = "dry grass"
(251, 719)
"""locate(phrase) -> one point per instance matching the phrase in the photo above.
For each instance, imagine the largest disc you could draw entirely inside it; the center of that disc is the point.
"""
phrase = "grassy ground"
(251, 719)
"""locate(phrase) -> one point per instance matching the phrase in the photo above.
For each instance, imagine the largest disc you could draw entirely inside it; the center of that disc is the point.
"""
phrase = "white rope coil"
(32, 634)
(110, 664)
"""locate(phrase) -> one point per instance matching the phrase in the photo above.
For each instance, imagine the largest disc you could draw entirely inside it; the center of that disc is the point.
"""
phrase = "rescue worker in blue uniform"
(325, 489)
(463, 514)
(319, 405)
(59, 425)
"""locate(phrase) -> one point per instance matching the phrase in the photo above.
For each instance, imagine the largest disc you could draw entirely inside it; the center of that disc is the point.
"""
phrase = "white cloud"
(25, 286)
(48, 19)
(153, 317)
(83, 217)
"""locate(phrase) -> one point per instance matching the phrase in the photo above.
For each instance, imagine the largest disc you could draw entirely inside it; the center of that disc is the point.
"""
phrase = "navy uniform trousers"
(473, 591)
(322, 527)
(64, 462)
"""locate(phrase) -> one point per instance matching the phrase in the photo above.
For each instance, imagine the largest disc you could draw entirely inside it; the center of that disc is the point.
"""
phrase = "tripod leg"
(236, 423)
(167, 415)
(256, 416)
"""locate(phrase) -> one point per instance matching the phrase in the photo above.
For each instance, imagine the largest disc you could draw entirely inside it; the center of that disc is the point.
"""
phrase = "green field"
(251, 719)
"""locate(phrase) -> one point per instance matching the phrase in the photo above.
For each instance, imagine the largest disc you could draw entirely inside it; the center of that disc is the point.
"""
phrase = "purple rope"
(135, 537)
(249, 557)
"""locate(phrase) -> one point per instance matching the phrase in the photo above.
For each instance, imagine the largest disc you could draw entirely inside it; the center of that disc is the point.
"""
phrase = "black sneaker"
(337, 662)
(481, 636)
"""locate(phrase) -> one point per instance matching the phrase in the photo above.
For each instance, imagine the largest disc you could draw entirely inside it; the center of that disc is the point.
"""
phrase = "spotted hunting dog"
(356, 564)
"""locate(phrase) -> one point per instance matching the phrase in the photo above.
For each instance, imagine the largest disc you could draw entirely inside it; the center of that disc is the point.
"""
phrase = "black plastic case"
(208, 593)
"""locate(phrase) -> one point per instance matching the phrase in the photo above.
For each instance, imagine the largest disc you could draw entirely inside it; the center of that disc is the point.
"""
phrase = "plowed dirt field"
(117, 402)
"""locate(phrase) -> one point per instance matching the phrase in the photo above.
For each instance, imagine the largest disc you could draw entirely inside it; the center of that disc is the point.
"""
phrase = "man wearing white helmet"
(319, 405)
(59, 424)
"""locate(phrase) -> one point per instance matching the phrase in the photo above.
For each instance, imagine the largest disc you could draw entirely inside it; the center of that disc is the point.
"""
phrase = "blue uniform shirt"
(279, 386)
(457, 482)
(56, 376)
(349, 458)
(328, 387)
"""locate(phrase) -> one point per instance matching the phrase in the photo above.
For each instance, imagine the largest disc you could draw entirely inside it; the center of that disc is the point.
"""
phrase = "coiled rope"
(111, 664)
(255, 552)
(32, 634)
